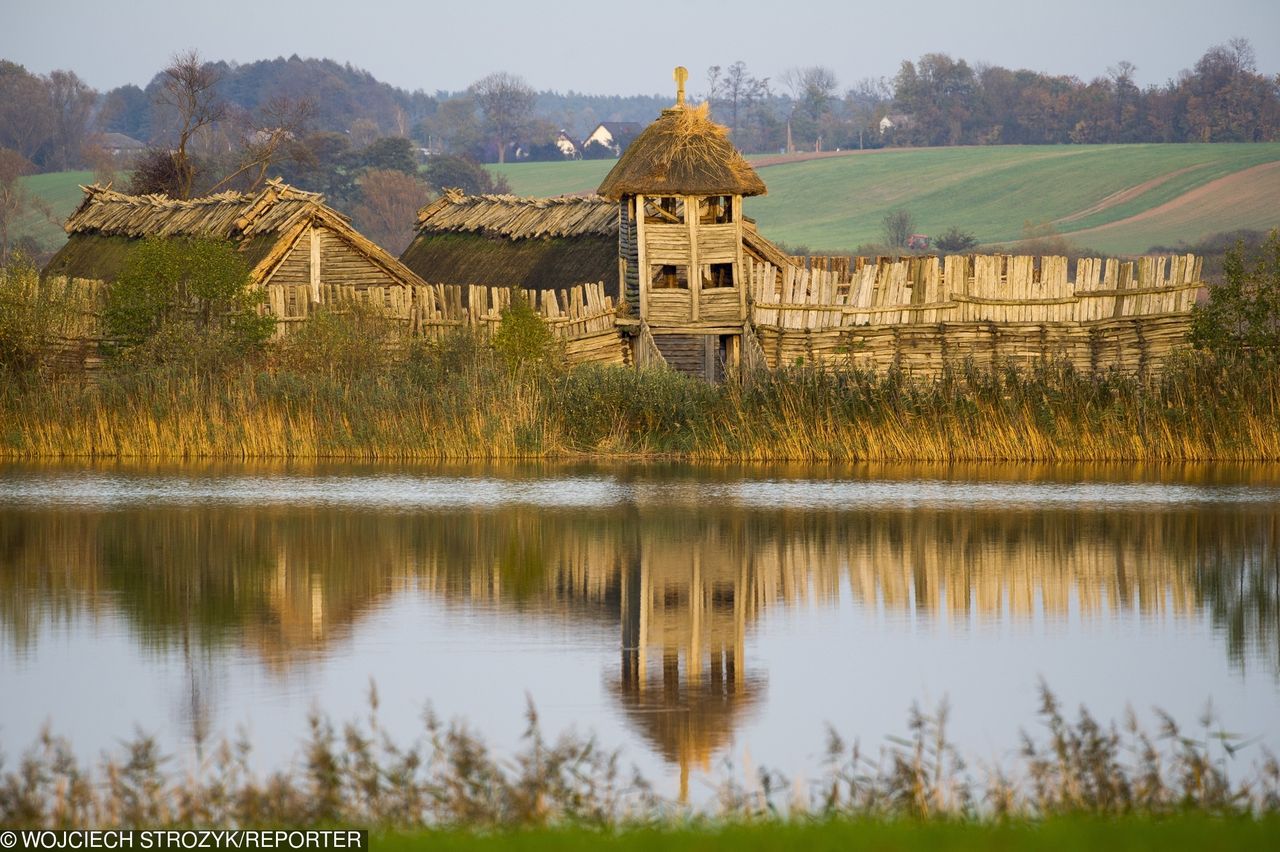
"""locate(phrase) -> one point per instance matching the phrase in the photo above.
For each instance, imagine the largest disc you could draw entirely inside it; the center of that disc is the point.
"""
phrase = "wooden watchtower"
(679, 187)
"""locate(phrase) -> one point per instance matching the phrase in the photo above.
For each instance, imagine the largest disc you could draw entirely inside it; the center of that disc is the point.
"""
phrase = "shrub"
(29, 315)
(344, 340)
(956, 240)
(523, 338)
(186, 301)
(1242, 316)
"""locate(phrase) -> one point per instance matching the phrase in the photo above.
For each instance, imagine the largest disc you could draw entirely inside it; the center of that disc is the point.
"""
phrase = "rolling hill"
(1113, 199)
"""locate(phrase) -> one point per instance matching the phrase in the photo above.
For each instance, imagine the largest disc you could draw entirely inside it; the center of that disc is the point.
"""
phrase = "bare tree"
(735, 91)
(266, 140)
(72, 100)
(389, 203)
(898, 226)
(189, 86)
(506, 101)
(812, 88)
(27, 121)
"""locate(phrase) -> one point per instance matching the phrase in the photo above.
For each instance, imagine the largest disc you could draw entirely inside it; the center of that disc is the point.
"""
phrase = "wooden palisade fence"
(920, 313)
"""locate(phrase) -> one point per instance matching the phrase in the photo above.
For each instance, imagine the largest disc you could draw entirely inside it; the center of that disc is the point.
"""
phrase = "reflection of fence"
(921, 312)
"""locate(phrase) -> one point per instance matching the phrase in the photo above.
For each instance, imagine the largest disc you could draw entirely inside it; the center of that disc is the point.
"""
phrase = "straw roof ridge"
(517, 217)
(683, 152)
(277, 207)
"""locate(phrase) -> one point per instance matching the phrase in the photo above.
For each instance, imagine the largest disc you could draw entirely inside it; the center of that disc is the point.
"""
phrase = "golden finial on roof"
(681, 74)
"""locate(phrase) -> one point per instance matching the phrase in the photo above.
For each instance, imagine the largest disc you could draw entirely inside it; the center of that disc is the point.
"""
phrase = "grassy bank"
(1066, 834)
(459, 401)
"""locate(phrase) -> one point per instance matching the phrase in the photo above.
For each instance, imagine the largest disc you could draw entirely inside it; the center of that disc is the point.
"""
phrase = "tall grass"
(357, 774)
(456, 400)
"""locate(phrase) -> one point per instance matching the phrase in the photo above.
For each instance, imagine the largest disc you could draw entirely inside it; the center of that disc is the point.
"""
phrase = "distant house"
(566, 145)
(614, 135)
(120, 145)
(895, 121)
(918, 242)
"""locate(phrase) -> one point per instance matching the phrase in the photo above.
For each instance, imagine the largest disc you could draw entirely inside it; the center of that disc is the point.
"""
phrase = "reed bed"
(357, 774)
(455, 400)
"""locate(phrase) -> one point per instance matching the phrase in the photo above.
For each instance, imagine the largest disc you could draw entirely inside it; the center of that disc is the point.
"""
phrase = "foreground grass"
(1076, 777)
(443, 403)
(1068, 834)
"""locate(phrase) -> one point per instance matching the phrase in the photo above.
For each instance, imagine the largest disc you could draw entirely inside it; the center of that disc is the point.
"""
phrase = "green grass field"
(1114, 199)
(1068, 835)
(1111, 198)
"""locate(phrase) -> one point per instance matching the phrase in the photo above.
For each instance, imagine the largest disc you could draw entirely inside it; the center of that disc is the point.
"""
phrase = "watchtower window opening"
(717, 275)
(669, 277)
(664, 210)
(715, 210)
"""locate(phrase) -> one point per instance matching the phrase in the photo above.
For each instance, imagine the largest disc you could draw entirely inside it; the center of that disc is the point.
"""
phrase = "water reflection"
(681, 572)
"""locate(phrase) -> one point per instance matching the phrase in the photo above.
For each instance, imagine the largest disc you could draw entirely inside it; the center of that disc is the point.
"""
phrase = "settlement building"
(294, 244)
(679, 189)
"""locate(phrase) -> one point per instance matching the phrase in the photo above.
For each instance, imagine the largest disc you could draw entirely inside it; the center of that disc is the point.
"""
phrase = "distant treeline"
(53, 120)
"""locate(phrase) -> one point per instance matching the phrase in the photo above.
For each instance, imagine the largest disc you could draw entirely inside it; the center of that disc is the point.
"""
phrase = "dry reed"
(359, 775)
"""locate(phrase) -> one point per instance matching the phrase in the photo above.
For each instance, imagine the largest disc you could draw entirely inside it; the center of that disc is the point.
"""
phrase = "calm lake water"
(690, 616)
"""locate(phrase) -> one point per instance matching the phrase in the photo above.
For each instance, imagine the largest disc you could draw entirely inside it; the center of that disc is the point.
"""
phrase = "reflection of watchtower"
(684, 617)
(680, 186)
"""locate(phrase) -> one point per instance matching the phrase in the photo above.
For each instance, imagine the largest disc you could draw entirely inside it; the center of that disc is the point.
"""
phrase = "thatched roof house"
(505, 241)
(682, 153)
(535, 243)
(286, 236)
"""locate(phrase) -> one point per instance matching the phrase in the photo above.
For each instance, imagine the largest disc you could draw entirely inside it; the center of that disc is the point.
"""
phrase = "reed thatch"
(507, 241)
(682, 153)
(519, 218)
(263, 225)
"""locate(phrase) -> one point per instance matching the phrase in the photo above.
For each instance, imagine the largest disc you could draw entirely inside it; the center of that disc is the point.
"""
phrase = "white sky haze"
(630, 48)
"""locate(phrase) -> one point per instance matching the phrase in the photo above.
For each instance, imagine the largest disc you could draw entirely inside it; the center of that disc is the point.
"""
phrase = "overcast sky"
(599, 46)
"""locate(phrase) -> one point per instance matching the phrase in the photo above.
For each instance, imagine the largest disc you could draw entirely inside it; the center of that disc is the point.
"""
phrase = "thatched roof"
(225, 216)
(263, 225)
(502, 240)
(682, 153)
(519, 218)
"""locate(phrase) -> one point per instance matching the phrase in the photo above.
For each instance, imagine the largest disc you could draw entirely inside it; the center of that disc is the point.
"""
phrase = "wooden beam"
(695, 271)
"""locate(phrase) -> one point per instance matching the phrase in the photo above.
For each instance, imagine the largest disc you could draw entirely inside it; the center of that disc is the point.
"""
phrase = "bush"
(186, 301)
(956, 240)
(345, 340)
(1242, 317)
(30, 314)
(523, 337)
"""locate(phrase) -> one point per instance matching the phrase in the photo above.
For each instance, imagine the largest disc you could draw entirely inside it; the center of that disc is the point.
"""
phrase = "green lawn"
(836, 204)
(1067, 835)
(59, 190)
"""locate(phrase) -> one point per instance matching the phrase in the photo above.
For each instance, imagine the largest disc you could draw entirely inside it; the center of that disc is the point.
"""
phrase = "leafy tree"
(733, 92)
(596, 150)
(389, 153)
(464, 174)
(27, 120)
(1242, 317)
(186, 301)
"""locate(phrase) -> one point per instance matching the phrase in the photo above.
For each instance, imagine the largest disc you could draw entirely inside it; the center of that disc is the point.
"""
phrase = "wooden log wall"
(583, 316)
(920, 313)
